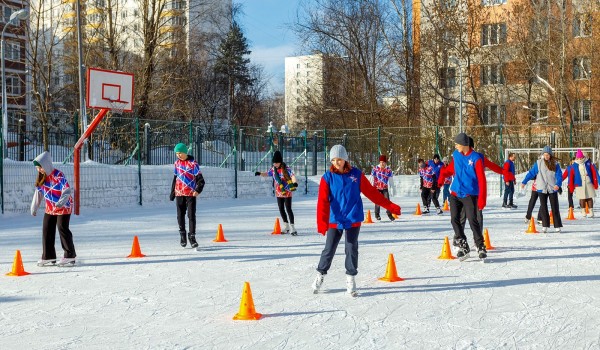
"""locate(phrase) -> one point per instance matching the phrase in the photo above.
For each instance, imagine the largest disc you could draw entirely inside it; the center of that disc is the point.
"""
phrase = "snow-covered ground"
(535, 292)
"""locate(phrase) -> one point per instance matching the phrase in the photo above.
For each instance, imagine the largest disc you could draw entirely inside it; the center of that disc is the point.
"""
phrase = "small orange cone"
(531, 228)
(446, 252)
(395, 216)
(220, 236)
(418, 211)
(276, 228)
(247, 311)
(136, 252)
(391, 275)
(17, 268)
(551, 218)
(587, 208)
(446, 206)
(368, 220)
(486, 240)
(571, 215)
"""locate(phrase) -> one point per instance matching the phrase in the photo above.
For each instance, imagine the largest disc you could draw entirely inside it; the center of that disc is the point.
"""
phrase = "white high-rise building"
(303, 88)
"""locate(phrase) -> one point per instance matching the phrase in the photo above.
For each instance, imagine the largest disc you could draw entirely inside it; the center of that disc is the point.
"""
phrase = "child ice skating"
(187, 184)
(381, 175)
(509, 182)
(548, 182)
(285, 184)
(340, 212)
(52, 186)
(585, 182)
(427, 187)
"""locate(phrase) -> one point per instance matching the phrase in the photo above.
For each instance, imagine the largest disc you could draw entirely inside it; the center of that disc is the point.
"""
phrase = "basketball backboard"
(108, 89)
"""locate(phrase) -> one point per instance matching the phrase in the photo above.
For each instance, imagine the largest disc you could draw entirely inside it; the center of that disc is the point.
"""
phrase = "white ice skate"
(316, 286)
(66, 262)
(351, 286)
(46, 263)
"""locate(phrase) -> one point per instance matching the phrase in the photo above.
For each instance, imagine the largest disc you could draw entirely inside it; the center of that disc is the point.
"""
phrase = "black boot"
(183, 241)
(192, 238)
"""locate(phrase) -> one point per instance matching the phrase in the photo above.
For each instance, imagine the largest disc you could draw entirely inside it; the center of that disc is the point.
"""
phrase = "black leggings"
(287, 201)
(49, 225)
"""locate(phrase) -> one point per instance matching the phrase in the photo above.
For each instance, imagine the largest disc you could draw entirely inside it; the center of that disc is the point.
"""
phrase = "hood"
(45, 161)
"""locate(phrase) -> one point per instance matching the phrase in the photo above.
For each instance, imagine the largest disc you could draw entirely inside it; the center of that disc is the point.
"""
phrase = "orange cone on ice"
(486, 240)
(531, 228)
(571, 215)
(395, 216)
(136, 252)
(446, 206)
(587, 208)
(276, 228)
(247, 311)
(220, 236)
(446, 252)
(418, 211)
(368, 220)
(551, 218)
(391, 275)
(17, 268)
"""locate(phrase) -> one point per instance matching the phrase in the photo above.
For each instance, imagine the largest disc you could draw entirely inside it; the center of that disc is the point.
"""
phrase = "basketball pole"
(76, 153)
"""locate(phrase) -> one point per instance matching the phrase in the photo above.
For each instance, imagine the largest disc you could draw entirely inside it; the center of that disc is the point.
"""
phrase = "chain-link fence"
(124, 141)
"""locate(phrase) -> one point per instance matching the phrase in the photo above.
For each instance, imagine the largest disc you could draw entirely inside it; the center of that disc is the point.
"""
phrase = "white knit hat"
(338, 151)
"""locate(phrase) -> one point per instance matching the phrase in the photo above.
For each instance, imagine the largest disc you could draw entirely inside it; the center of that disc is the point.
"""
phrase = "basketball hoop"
(117, 106)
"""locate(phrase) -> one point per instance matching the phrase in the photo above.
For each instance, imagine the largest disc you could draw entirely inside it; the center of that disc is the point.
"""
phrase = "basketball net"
(117, 106)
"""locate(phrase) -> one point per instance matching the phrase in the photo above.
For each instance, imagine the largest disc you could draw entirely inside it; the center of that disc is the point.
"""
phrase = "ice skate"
(583, 212)
(544, 229)
(439, 211)
(426, 211)
(377, 217)
(287, 228)
(192, 239)
(482, 252)
(557, 230)
(316, 286)
(183, 240)
(66, 262)
(512, 206)
(46, 262)
(463, 250)
(293, 231)
(351, 286)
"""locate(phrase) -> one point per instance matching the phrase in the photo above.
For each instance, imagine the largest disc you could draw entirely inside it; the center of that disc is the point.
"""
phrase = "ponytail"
(41, 178)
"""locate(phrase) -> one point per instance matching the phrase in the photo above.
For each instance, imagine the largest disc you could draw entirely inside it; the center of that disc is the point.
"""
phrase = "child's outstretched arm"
(323, 208)
(376, 197)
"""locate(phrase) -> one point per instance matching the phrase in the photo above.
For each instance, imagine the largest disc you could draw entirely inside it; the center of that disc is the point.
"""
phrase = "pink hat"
(579, 154)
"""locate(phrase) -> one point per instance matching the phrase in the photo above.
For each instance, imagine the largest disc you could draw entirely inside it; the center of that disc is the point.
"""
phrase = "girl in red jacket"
(339, 209)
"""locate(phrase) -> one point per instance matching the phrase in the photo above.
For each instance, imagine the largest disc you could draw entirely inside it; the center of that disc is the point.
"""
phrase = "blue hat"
(547, 149)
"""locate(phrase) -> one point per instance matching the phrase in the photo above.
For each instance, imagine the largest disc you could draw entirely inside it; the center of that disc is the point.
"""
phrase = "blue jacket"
(465, 181)
(436, 168)
(345, 203)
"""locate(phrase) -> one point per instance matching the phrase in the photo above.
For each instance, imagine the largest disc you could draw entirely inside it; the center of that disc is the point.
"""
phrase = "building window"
(6, 12)
(492, 2)
(447, 78)
(99, 3)
(13, 85)
(582, 111)
(538, 112)
(493, 34)
(124, 14)
(447, 116)
(307, 65)
(582, 25)
(493, 114)
(13, 51)
(492, 74)
(582, 68)
(298, 66)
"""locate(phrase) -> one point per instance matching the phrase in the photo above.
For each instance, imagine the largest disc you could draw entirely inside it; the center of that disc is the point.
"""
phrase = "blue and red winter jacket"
(52, 189)
(427, 176)
(575, 177)
(435, 167)
(339, 204)
(188, 178)
(381, 177)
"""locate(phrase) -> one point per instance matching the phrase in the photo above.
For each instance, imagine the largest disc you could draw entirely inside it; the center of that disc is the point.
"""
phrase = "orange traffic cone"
(571, 215)
(551, 218)
(247, 311)
(276, 228)
(446, 252)
(446, 206)
(17, 268)
(395, 216)
(220, 236)
(391, 275)
(486, 240)
(136, 252)
(587, 208)
(531, 228)
(418, 211)
(368, 220)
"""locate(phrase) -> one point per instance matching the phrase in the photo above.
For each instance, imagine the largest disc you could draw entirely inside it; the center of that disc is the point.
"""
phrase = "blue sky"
(266, 24)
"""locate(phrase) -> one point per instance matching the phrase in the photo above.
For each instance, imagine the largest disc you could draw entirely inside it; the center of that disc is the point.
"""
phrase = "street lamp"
(22, 14)
(460, 108)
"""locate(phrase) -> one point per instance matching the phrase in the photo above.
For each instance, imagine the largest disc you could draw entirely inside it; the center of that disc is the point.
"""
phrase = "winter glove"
(560, 190)
(172, 196)
(257, 173)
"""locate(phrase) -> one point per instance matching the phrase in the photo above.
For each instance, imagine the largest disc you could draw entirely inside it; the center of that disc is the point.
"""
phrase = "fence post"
(315, 154)
(242, 146)
(235, 162)
(147, 146)
(199, 141)
(345, 141)
(139, 154)
(553, 139)
(280, 142)
(190, 133)
(21, 139)
(305, 134)
(571, 138)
